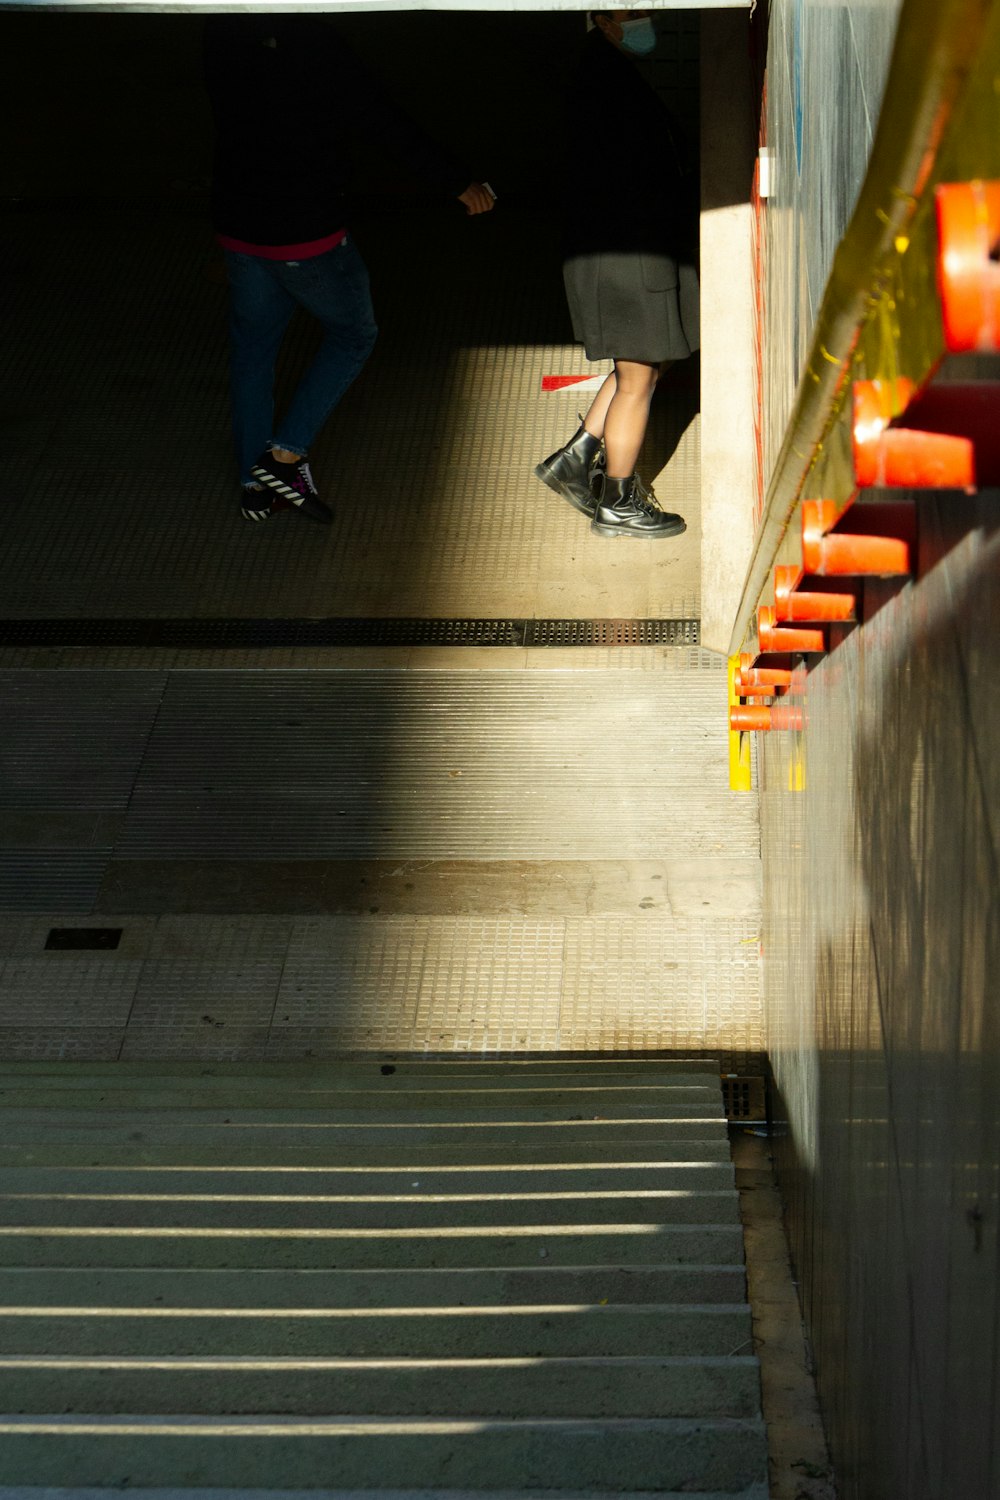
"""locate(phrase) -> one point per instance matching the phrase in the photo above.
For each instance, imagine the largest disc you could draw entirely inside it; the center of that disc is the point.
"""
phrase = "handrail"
(937, 45)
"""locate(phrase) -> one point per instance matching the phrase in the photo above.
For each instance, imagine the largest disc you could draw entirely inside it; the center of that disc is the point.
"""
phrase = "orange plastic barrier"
(968, 271)
(773, 638)
(792, 603)
(948, 437)
(753, 717)
(855, 554)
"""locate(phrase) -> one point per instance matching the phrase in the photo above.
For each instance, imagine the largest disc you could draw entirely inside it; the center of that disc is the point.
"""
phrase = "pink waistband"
(284, 252)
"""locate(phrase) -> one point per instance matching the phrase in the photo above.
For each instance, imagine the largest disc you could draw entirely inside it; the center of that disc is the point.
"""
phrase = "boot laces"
(644, 499)
(304, 482)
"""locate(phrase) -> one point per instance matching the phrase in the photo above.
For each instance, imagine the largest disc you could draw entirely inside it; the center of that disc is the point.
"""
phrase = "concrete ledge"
(340, 1107)
(69, 1148)
(65, 1286)
(442, 1070)
(591, 1387)
(352, 1249)
(620, 1456)
(47, 1492)
(613, 1176)
(458, 1077)
(430, 1332)
(222, 1131)
(319, 1212)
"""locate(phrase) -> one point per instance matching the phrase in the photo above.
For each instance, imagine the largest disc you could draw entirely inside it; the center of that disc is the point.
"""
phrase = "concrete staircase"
(468, 1276)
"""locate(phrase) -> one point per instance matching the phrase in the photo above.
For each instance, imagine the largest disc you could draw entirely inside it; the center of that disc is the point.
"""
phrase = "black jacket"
(288, 97)
(628, 185)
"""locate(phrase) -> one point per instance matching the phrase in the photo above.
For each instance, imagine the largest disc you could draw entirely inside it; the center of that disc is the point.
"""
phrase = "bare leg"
(595, 418)
(627, 414)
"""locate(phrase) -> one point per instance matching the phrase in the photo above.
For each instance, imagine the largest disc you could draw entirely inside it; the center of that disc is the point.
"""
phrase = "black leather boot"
(568, 470)
(624, 507)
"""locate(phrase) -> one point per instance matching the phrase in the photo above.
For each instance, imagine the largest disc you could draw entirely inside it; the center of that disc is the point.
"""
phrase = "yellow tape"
(797, 762)
(739, 743)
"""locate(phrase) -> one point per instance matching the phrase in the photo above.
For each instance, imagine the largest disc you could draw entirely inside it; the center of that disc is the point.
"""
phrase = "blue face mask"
(639, 37)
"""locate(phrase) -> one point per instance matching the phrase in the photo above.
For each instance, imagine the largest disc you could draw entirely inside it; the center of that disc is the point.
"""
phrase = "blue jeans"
(263, 296)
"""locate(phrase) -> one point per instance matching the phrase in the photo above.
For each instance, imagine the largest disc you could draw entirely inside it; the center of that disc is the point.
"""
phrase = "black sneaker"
(625, 507)
(258, 504)
(292, 484)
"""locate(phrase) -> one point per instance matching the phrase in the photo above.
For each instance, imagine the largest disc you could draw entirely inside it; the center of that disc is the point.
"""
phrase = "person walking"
(630, 236)
(288, 98)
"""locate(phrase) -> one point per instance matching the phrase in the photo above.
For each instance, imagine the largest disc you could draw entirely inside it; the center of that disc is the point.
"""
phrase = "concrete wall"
(826, 69)
(882, 951)
(728, 149)
(827, 66)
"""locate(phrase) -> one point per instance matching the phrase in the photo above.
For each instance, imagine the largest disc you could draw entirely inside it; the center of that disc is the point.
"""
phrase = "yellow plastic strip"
(739, 743)
(797, 762)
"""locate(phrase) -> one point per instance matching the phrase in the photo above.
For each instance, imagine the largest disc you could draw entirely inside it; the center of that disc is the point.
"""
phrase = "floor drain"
(84, 937)
(250, 634)
(744, 1098)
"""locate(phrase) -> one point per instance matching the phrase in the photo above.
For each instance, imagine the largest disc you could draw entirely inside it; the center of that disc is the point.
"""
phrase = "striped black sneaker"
(285, 485)
(258, 504)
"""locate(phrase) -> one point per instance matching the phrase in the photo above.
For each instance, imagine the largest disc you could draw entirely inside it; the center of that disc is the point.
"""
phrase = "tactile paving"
(427, 983)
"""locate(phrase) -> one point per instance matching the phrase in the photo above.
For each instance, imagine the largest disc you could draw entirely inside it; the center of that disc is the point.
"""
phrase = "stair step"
(485, 1067)
(216, 1130)
(169, 1147)
(29, 1492)
(488, 1211)
(252, 1107)
(393, 1276)
(621, 1456)
(61, 1286)
(387, 1181)
(680, 1386)
(349, 1249)
(426, 1332)
(381, 1090)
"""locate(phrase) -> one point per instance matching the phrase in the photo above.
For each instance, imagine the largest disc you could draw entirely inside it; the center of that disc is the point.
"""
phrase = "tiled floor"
(120, 497)
(478, 880)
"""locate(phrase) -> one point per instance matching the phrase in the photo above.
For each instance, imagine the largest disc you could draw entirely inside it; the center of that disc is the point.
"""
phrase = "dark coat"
(627, 185)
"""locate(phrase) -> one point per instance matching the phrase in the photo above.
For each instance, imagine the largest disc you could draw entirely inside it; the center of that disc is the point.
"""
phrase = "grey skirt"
(633, 305)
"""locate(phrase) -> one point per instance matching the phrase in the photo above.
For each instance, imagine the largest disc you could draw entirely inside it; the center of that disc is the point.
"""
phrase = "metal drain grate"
(744, 1098)
(612, 632)
(248, 634)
